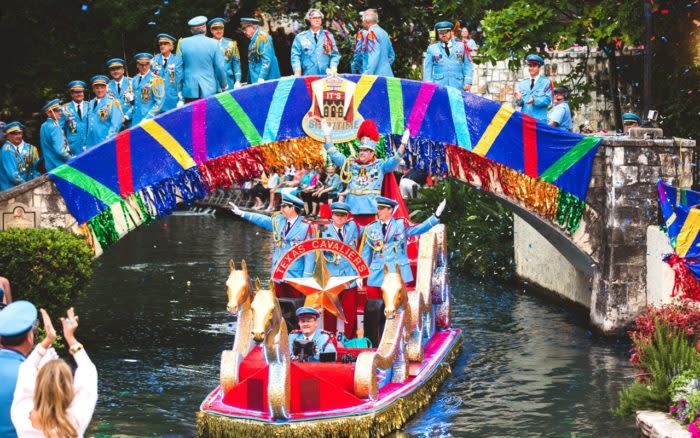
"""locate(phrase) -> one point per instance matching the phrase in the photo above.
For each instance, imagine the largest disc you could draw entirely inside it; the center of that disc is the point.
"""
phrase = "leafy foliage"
(480, 230)
(51, 268)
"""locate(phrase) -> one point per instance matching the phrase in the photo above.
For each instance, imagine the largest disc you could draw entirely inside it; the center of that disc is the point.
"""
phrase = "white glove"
(261, 80)
(235, 209)
(326, 128)
(359, 283)
(48, 357)
(406, 135)
(180, 103)
(440, 208)
(236, 85)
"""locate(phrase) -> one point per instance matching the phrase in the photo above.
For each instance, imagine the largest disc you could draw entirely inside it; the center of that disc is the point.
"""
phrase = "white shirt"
(84, 389)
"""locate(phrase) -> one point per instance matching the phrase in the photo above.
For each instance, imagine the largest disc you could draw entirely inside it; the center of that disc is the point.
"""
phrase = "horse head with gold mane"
(240, 296)
(270, 329)
(391, 352)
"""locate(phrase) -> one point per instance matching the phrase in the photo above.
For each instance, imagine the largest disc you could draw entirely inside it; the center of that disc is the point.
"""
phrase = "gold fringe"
(376, 424)
(535, 194)
(297, 152)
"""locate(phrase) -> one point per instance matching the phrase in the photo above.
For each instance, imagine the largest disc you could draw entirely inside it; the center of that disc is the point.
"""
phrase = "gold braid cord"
(240, 295)
(391, 352)
(296, 152)
(375, 424)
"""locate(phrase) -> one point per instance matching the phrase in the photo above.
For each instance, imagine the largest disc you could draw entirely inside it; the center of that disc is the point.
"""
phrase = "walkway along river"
(155, 324)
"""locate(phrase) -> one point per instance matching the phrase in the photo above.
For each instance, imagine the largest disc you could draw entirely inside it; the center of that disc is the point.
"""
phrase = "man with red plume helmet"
(364, 175)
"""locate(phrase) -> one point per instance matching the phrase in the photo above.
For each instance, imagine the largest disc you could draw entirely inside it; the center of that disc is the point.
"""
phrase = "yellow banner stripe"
(171, 145)
(362, 88)
(688, 233)
(492, 131)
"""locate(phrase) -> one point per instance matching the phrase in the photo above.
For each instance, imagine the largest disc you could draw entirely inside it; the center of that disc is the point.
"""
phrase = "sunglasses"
(164, 43)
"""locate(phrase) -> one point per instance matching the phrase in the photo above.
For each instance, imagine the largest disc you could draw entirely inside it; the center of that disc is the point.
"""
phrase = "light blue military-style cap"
(14, 127)
(115, 62)
(307, 311)
(216, 22)
(532, 58)
(51, 104)
(76, 86)
(17, 318)
(385, 202)
(165, 38)
(249, 21)
(631, 117)
(143, 58)
(99, 80)
(292, 200)
(340, 207)
(444, 25)
(199, 20)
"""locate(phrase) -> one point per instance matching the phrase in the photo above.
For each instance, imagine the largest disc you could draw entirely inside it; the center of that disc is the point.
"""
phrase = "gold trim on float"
(375, 424)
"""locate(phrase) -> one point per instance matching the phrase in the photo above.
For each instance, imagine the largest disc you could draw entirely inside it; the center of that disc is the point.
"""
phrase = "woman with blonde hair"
(49, 401)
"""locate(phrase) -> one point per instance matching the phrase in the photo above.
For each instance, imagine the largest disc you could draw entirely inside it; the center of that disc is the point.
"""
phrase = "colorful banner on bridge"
(234, 136)
(681, 211)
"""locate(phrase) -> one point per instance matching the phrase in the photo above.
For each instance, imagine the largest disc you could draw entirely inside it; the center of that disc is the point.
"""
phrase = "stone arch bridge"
(586, 209)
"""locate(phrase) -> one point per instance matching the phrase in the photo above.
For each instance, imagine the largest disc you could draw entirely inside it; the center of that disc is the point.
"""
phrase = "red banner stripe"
(530, 146)
(126, 181)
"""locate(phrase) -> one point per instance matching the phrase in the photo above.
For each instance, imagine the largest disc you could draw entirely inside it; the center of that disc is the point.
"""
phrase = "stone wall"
(497, 82)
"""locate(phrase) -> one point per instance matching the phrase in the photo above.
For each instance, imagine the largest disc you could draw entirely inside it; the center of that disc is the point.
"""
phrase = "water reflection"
(154, 322)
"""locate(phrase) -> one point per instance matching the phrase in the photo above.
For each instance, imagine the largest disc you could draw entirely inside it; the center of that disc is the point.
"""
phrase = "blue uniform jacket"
(149, 94)
(561, 113)
(451, 71)
(366, 181)
(542, 95)
(172, 78)
(204, 69)
(18, 164)
(10, 361)
(262, 61)
(53, 144)
(232, 60)
(321, 338)
(339, 266)
(104, 119)
(314, 57)
(75, 126)
(374, 52)
(378, 250)
(124, 94)
(299, 232)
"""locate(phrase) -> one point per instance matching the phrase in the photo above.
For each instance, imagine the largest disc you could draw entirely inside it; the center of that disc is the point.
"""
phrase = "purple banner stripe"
(199, 131)
(415, 120)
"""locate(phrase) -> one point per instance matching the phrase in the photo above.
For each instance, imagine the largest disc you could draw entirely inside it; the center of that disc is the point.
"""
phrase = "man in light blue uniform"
(18, 158)
(310, 332)
(262, 61)
(446, 63)
(120, 87)
(75, 118)
(203, 62)
(17, 338)
(560, 114)
(288, 229)
(54, 146)
(629, 121)
(232, 57)
(366, 173)
(314, 50)
(385, 240)
(105, 113)
(534, 93)
(149, 91)
(168, 66)
(376, 53)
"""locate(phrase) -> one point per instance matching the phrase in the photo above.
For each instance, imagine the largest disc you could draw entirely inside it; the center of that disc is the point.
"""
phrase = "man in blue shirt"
(203, 62)
(75, 118)
(314, 50)
(149, 91)
(310, 332)
(534, 93)
(17, 323)
(105, 114)
(374, 52)
(232, 57)
(446, 62)
(54, 146)
(120, 87)
(560, 114)
(18, 159)
(168, 66)
(262, 61)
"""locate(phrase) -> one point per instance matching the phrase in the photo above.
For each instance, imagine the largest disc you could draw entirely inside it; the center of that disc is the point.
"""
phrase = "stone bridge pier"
(613, 264)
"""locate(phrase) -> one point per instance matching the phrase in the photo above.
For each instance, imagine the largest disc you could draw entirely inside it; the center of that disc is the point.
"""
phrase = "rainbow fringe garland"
(223, 172)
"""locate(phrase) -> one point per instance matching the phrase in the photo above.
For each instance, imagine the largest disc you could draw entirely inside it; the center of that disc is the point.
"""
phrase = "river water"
(154, 323)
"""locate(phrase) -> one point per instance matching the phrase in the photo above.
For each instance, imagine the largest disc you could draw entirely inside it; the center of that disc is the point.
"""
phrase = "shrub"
(49, 267)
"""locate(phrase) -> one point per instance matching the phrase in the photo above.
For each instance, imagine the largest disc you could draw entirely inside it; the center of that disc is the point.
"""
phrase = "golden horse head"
(238, 287)
(393, 292)
(265, 318)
